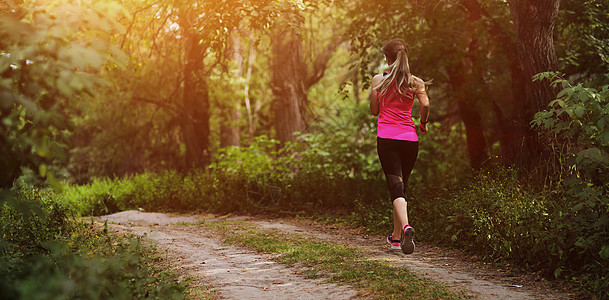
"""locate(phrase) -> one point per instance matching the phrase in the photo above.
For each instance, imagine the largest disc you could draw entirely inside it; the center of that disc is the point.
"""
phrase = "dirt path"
(237, 273)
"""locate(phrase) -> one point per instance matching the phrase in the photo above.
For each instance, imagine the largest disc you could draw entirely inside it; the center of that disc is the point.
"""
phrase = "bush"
(577, 123)
(557, 225)
(44, 255)
(559, 228)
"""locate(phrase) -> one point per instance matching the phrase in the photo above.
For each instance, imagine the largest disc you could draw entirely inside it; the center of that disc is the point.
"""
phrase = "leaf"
(557, 272)
(43, 149)
(42, 169)
(604, 253)
(579, 111)
(562, 93)
(54, 183)
(578, 206)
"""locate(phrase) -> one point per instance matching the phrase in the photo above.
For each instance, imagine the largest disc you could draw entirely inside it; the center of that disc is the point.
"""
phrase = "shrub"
(557, 225)
(44, 255)
(577, 123)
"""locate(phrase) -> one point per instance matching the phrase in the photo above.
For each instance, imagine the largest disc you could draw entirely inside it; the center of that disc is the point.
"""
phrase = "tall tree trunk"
(476, 142)
(288, 82)
(461, 79)
(231, 110)
(510, 129)
(194, 124)
(229, 126)
(251, 114)
(294, 72)
(534, 24)
(474, 130)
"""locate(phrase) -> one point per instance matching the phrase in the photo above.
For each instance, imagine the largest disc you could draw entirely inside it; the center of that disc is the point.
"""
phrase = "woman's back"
(395, 115)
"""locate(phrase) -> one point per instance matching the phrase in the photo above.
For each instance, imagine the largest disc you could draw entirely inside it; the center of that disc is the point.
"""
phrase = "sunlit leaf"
(42, 170)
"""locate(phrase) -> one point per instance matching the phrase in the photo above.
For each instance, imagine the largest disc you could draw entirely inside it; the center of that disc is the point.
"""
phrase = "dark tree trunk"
(510, 129)
(293, 73)
(469, 114)
(476, 142)
(288, 83)
(534, 24)
(195, 108)
(462, 80)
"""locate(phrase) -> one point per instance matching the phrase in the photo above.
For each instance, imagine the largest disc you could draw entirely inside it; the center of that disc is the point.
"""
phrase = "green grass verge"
(336, 263)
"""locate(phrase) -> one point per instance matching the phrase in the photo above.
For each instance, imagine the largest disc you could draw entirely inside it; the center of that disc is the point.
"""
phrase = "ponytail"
(399, 70)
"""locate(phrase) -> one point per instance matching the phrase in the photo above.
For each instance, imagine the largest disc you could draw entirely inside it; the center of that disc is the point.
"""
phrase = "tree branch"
(321, 64)
(497, 32)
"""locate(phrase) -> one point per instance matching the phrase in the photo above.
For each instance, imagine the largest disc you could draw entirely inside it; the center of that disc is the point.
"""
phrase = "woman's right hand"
(423, 128)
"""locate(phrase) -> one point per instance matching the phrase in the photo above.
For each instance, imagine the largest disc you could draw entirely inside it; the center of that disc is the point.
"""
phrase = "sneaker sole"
(392, 246)
(407, 241)
(395, 247)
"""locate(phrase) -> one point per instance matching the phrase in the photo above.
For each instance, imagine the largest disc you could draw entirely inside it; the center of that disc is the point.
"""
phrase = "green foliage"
(46, 62)
(336, 167)
(109, 268)
(493, 214)
(44, 255)
(559, 227)
(28, 219)
(255, 159)
(583, 39)
(578, 123)
(341, 144)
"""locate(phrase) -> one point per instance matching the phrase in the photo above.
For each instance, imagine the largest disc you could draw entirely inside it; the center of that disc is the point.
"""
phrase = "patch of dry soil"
(237, 273)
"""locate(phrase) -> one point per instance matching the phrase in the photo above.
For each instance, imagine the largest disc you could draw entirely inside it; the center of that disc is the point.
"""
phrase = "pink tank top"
(395, 115)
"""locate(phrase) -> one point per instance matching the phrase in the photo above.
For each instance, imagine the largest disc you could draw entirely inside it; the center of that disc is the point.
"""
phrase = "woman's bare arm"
(374, 100)
(421, 94)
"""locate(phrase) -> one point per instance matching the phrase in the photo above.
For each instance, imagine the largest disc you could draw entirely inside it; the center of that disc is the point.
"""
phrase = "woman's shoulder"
(420, 83)
(377, 79)
(378, 76)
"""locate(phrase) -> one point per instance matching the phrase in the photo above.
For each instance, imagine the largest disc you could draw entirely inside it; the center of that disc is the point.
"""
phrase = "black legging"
(397, 159)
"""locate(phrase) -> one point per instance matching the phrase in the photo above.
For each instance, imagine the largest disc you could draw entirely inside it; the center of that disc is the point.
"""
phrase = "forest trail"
(238, 273)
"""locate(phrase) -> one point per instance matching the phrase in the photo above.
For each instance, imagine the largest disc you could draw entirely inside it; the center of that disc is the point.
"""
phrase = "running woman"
(392, 98)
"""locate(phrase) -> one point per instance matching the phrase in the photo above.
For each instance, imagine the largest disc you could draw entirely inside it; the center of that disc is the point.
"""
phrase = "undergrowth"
(47, 255)
(551, 218)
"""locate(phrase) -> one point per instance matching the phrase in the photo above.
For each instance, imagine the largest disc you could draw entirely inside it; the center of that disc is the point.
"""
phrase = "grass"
(335, 263)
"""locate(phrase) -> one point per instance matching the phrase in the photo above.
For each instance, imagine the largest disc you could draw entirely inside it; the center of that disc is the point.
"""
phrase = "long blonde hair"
(399, 70)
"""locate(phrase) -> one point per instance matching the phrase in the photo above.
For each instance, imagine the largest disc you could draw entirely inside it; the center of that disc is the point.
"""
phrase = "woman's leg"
(400, 216)
(397, 159)
(408, 156)
(389, 155)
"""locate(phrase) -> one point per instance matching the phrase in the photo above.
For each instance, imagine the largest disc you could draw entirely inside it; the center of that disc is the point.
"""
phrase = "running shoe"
(407, 240)
(395, 244)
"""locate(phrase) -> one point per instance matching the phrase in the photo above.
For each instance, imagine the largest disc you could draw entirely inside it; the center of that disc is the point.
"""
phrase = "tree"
(534, 23)
(157, 114)
(50, 58)
(473, 44)
(582, 40)
(230, 110)
(296, 67)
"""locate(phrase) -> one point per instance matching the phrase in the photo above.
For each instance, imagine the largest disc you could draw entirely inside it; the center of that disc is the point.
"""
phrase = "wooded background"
(195, 104)
(148, 85)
